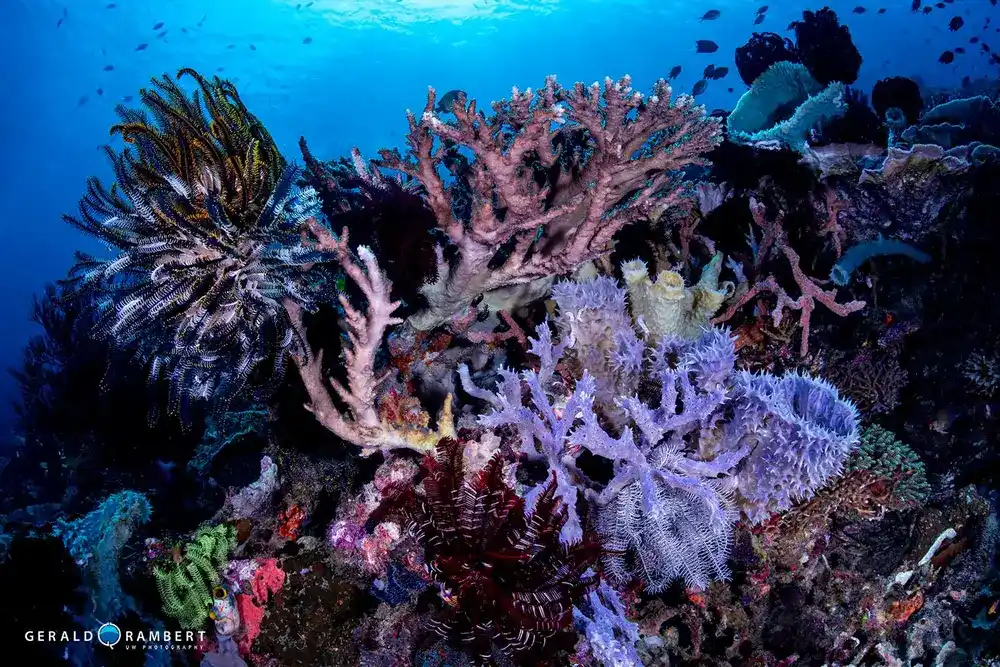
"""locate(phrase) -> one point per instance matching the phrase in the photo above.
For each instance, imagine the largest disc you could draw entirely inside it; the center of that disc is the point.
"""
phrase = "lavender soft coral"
(689, 437)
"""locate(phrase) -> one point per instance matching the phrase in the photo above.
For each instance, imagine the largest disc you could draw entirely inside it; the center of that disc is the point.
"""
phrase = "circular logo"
(109, 634)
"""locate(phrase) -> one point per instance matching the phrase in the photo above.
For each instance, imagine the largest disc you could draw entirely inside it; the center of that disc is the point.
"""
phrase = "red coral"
(267, 579)
(290, 521)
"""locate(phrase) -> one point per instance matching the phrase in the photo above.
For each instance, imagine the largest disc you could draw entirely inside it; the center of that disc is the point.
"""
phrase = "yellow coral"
(669, 308)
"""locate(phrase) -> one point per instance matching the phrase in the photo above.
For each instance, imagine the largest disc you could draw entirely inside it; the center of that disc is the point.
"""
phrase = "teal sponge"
(783, 105)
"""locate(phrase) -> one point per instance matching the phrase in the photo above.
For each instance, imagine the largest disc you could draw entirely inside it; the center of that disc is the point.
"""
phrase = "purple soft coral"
(801, 432)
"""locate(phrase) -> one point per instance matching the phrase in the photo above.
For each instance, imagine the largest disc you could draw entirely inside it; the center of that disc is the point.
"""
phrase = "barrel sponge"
(783, 105)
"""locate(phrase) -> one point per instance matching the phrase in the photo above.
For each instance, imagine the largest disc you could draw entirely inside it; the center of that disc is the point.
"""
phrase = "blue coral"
(95, 541)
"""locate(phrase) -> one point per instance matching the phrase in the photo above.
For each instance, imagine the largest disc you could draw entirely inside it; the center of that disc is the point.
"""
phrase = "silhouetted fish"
(946, 57)
(709, 71)
(915, 5)
(973, 40)
(959, 49)
(710, 15)
(157, 25)
(127, 98)
(761, 10)
(955, 24)
(447, 100)
(307, 40)
(162, 34)
(674, 71)
(759, 19)
(202, 20)
(109, 68)
(859, 10)
(111, 6)
(100, 91)
(83, 100)
(62, 18)
(142, 47)
(985, 47)
(220, 69)
(720, 73)
(699, 87)
(230, 46)
(253, 48)
(928, 10)
(940, 5)
(729, 90)
(706, 46)
(308, 4)
(881, 10)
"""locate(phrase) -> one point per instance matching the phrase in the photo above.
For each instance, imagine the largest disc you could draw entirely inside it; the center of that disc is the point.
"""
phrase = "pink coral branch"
(632, 142)
(811, 292)
(361, 425)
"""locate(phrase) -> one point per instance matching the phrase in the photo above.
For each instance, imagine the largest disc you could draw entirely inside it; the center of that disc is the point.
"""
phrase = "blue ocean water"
(343, 72)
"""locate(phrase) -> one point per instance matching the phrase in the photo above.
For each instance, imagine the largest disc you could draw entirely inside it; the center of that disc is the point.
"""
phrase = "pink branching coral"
(775, 238)
(577, 164)
(361, 425)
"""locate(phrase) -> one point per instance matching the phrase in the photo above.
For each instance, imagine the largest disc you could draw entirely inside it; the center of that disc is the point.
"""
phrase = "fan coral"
(207, 221)
(507, 584)
(801, 434)
(556, 173)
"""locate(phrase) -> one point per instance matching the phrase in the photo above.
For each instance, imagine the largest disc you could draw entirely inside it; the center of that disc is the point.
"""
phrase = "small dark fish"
(720, 73)
(308, 4)
(729, 90)
(109, 68)
(759, 19)
(127, 98)
(699, 87)
(62, 18)
(761, 10)
(959, 49)
(307, 40)
(881, 10)
(915, 5)
(447, 101)
(674, 72)
(973, 40)
(100, 91)
(253, 48)
(710, 15)
(83, 100)
(966, 82)
(142, 47)
(928, 10)
(706, 46)
(298, 6)
(940, 5)
(202, 20)
(709, 71)
(956, 23)
(111, 6)
(859, 10)
(220, 69)
(985, 47)
(158, 25)
(995, 58)
(163, 34)
(184, 30)
(946, 58)
(230, 46)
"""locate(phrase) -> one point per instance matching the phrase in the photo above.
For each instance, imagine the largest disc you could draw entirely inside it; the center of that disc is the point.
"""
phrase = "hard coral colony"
(533, 439)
